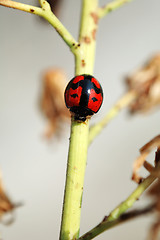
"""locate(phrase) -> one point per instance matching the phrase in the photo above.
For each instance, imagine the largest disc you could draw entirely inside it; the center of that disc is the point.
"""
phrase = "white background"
(33, 168)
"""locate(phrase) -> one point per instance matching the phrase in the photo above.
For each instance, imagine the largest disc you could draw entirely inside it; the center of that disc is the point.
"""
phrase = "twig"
(114, 217)
(47, 14)
(121, 103)
(105, 225)
(109, 7)
(136, 213)
(22, 7)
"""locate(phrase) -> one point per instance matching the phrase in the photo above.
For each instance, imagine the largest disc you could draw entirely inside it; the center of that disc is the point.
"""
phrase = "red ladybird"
(83, 96)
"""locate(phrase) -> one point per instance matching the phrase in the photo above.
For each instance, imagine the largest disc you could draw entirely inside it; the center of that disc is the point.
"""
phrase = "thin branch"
(121, 103)
(22, 7)
(105, 225)
(117, 215)
(46, 13)
(136, 213)
(109, 7)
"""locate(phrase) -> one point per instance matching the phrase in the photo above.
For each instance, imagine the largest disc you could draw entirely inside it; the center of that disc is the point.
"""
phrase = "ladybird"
(83, 96)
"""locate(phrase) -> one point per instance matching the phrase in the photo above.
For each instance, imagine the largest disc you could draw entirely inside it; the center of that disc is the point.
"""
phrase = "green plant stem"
(47, 14)
(113, 218)
(77, 157)
(120, 104)
(109, 7)
(74, 180)
(85, 57)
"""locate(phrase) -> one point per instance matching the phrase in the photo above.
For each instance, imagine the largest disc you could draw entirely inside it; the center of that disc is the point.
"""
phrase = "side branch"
(111, 7)
(121, 103)
(22, 7)
(47, 14)
(117, 215)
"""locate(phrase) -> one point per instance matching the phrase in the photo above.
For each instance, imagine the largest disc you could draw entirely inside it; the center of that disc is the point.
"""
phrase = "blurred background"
(33, 167)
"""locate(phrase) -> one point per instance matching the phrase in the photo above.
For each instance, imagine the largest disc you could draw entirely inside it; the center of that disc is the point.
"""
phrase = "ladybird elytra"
(83, 96)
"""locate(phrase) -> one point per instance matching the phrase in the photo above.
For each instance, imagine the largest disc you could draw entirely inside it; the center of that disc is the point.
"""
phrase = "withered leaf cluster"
(146, 83)
(52, 100)
(141, 160)
(154, 190)
(6, 205)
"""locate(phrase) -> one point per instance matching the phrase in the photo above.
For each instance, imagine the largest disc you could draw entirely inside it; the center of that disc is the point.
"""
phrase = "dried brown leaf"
(154, 190)
(6, 205)
(148, 147)
(52, 100)
(141, 160)
(146, 83)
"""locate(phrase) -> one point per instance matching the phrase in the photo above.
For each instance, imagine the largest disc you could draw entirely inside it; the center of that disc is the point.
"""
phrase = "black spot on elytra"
(74, 95)
(87, 81)
(94, 99)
